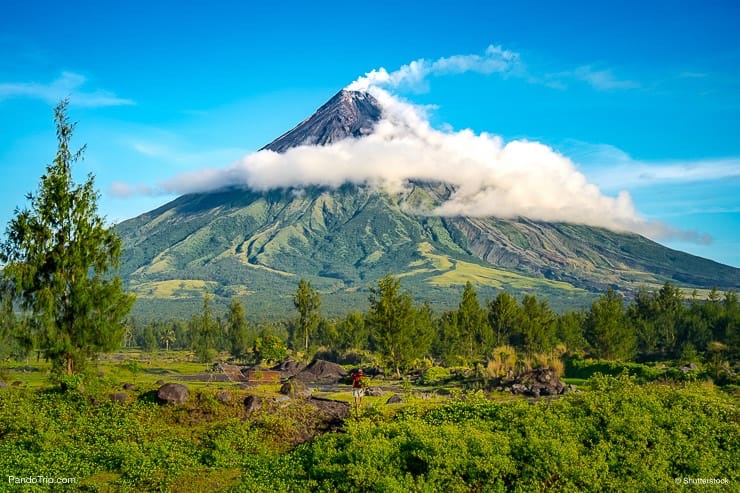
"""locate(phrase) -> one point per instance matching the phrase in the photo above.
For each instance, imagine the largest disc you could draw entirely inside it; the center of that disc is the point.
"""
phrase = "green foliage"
(352, 332)
(586, 368)
(435, 375)
(536, 325)
(466, 333)
(269, 348)
(399, 331)
(616, 435)
(606, 328)
(307, 301)
(205, 331)
(237, 329)
(148, 341)
(59, 255)
(503, 317)
(619, 437)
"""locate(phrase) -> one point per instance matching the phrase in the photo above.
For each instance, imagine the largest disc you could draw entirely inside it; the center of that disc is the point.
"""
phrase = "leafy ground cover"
(617, 435)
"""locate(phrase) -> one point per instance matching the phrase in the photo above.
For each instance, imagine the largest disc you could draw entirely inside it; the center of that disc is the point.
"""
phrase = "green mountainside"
(257, 245)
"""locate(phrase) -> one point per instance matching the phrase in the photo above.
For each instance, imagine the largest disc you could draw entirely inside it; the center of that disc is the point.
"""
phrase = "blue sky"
(641, 96)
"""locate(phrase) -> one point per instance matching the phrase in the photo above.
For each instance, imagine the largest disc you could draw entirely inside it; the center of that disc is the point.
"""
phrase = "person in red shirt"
(358, 387)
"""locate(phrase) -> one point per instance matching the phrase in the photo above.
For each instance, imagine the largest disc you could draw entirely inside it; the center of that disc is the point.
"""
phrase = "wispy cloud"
(123, 190)
(603, 80)
(613, 168)
(174, 154)
(495, 60)
(414, 74)
(68, 84)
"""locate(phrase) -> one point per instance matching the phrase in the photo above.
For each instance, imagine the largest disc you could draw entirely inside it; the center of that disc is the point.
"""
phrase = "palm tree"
(167, 337)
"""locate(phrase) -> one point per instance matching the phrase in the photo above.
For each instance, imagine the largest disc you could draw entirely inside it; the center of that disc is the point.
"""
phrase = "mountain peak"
(347, 114)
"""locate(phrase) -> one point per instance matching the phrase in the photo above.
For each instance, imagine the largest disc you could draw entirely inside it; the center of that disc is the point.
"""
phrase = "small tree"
(167, 337)
(269, 348)
(503, 317)
(395, 324)
(607, 332)
(204, 330)
(59, 255)
(237, 324)
(472, 324)
(307, 302)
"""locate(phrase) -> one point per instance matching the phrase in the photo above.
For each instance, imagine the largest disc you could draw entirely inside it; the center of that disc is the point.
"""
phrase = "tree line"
(659, 324)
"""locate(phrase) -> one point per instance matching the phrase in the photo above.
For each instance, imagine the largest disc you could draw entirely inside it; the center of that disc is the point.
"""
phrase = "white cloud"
(603, 80)
(123, 190)
(413, 75)
(495, 60)
(490, 177)
(172, 153)
(69, 84)
(612, 168)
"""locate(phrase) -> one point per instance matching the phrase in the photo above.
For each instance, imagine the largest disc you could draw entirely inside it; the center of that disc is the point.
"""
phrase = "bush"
(435, 375)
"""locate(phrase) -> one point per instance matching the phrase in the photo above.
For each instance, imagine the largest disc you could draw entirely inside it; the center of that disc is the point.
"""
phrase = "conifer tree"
(59, 256)
(394, 324)
(607, 331)
(237, 324)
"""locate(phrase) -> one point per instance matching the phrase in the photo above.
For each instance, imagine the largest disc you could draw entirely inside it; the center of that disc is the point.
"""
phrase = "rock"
(232, 372)
(121, 397)
(160, 382)
(282, 398)
(223, 397)
(518, 388)
(295, 389)
(129, 386)
(336, 410)
(394, 399)
(252, 403)
(289, 369)
(321, 371)
(17, 383)
(173, 393)
(3, 385)
(374, 391)
(689, 368)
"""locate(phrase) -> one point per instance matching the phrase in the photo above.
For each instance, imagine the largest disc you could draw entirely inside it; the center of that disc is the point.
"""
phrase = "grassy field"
(614, 435)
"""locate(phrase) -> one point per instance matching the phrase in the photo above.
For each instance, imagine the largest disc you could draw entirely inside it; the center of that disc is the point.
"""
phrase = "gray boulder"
(322, 372)
(394, 399)
(173, 393)
(295, 389)
(337, 410)
(223, 397)
(374, 391)
(121, 397)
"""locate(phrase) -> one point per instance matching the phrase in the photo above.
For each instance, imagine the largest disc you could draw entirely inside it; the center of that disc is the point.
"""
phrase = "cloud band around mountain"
(490, 177)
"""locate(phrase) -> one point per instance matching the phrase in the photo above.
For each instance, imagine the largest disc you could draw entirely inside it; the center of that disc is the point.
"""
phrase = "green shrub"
(435, 375)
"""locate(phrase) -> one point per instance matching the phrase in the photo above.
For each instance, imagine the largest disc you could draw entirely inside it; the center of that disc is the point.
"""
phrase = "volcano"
(257, 245)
